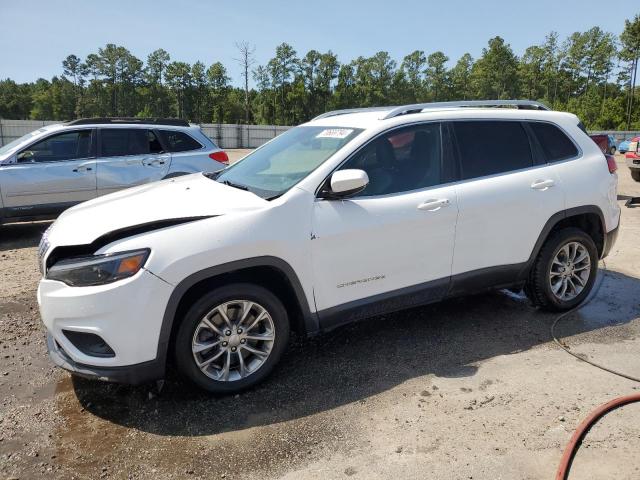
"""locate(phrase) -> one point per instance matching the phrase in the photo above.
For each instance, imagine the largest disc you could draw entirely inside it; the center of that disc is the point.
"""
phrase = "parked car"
(607, 143)
(55, 167)
(633, 158)
(354, 214)
(623, 147)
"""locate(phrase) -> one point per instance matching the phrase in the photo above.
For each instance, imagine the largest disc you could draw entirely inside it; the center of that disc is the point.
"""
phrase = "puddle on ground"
(88, 444)
(616, 304)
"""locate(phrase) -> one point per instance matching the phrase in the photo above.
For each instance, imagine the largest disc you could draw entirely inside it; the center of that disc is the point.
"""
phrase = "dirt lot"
(472, 388)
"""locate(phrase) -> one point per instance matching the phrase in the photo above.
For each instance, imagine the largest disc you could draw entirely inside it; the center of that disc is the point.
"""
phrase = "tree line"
(592, 74)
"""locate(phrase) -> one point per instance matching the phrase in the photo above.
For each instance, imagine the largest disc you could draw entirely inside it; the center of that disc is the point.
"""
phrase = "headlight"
(98, 269)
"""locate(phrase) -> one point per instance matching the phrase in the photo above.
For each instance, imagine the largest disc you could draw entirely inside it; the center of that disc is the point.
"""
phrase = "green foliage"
(592, 74)
(495, 73)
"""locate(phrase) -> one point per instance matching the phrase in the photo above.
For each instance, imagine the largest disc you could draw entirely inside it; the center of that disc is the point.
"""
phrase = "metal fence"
(619, 135)
(223, 134)
(241, 136)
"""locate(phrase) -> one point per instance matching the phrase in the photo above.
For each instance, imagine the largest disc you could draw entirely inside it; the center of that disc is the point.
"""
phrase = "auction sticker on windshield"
(335, 133)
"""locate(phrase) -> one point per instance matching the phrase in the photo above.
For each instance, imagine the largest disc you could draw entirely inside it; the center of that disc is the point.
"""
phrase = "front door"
(50, 175)
(129, 157)
(392, 244)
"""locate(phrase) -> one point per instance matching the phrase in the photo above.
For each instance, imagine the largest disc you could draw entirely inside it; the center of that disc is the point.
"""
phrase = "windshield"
(11, 145)
(275, 167)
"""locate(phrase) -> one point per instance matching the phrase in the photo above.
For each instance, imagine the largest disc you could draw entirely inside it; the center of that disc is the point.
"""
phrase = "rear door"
(50, 175)
(505, 196)
(129, 157)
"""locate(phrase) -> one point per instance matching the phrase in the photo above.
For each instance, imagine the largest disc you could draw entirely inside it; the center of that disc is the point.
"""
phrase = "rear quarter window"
(179, 141)
(554, 142)
(119, 142)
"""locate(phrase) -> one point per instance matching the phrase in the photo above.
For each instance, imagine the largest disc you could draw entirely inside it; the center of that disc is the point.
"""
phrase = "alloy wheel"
(570, 271)
(233, 340)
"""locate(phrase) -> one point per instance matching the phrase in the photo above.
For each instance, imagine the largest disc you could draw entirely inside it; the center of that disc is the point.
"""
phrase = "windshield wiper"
(236, 185)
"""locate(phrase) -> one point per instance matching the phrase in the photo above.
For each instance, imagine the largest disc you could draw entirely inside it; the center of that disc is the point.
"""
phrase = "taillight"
(611, 163)
(220, 156)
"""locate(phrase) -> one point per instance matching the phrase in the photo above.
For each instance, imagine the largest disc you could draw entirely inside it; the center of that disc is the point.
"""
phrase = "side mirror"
(348, 182)
(9, 161)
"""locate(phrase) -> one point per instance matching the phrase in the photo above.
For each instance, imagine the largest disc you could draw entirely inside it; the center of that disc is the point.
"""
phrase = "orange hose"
(577, 437)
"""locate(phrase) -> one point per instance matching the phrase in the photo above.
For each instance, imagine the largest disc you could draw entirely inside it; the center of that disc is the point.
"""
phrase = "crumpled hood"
(178, 198)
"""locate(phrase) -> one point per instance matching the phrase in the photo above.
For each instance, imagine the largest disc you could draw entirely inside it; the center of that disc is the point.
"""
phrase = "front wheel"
(635, 174)
(231, 338)
(564, 271)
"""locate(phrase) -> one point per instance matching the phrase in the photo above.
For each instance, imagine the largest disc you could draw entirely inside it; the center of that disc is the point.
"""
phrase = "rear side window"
(56, 148)
(120, 142)
(491, 147)
(554, 142)
(179, 141)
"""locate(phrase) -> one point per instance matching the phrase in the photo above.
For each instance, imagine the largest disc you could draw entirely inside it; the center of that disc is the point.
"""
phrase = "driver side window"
(401, 160)
(64, 146)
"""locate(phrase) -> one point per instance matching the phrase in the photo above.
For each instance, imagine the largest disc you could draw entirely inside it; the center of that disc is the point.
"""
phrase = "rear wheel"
(635, 174)
(564, 271)
(232, 338)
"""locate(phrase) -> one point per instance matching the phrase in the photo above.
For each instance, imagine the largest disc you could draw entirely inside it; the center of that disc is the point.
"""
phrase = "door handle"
(152, 162)
(82, 169)
(433, 204)
(542, 184)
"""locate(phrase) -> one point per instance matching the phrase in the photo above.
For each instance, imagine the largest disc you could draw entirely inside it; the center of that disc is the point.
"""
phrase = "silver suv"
(57, 166)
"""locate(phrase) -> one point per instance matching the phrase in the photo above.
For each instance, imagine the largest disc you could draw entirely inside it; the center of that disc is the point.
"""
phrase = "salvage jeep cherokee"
(353, 214)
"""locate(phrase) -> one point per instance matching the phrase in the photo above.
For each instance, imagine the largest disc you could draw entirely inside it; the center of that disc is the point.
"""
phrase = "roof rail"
(176, 122)
(333, 113)
(419, 107)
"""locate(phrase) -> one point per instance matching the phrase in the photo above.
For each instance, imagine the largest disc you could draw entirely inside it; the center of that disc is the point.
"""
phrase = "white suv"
(354, 214)
(58, 166)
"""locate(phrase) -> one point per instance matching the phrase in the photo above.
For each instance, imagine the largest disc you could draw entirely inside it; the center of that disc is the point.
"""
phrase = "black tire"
(185, 360)
(612, 150)
(635, 174)
(538, 287)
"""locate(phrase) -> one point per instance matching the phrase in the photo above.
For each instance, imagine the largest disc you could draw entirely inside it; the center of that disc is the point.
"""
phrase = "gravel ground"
(471, 388)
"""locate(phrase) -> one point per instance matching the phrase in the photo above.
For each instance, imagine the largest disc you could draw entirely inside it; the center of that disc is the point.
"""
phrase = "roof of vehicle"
(386, 116)
(85, 123)
(63, 126)
(129, 120)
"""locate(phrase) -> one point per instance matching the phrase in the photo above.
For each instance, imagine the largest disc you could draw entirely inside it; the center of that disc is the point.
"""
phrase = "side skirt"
(485, 279)
(400, 299)
(35, 212)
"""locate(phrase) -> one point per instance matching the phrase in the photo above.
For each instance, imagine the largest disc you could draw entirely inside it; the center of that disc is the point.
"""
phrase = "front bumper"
(131, 374)
(126, 314)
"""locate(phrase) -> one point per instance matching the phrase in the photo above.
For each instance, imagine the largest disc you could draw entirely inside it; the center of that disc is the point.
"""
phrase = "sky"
(36, 35)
